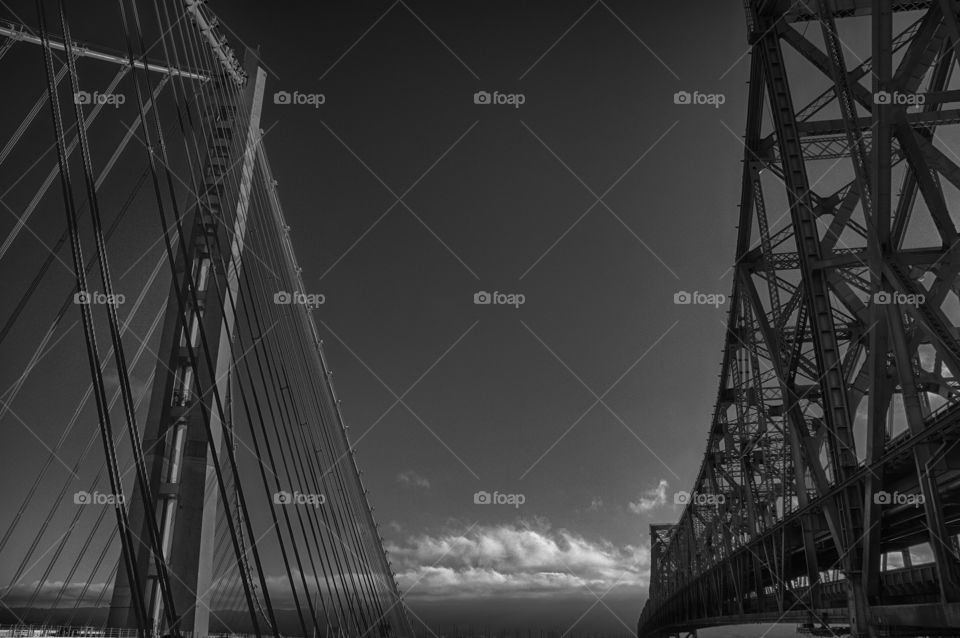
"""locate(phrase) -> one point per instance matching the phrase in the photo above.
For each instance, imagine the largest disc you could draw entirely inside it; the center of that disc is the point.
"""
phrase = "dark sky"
(505, 199)
(597, 199)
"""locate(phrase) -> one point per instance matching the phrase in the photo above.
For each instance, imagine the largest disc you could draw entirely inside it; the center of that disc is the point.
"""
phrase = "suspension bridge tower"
(179, 451)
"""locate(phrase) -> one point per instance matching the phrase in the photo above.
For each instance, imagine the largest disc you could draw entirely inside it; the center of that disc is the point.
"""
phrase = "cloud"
(412, 479)
(524, 560)
(651, 499)
(49, 591)
(595, 504)
(515, 560)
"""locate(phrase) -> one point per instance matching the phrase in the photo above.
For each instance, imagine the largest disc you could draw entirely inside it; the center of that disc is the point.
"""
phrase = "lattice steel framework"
(833, 448)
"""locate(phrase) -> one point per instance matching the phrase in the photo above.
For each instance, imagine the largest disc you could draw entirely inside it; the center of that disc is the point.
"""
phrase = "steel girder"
(841, 361)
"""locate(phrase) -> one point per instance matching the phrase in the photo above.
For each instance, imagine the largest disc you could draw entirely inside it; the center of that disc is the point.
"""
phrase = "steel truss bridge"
(199, 479)
(829, 491)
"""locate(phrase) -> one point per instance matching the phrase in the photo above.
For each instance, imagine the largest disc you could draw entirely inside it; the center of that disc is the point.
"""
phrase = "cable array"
(222, 374)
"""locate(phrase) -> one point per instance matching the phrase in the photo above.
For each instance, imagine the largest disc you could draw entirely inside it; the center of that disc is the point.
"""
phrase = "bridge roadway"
(726, 593)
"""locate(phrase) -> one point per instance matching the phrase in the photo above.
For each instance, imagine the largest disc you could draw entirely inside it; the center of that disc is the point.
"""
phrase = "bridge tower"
(178, 450)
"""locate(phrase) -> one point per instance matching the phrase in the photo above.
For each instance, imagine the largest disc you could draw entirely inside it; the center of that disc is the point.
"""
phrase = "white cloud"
(515, 560)
(525, 559)
(412, 479)
(651, 499)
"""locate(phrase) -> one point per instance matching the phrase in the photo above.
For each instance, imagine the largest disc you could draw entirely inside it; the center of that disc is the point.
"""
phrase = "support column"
(178, 452)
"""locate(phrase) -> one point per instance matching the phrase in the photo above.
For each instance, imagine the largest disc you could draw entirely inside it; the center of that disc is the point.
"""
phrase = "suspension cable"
(93, 358)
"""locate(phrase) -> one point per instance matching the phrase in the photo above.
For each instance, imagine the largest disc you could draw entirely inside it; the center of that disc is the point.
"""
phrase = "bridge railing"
(94, 631)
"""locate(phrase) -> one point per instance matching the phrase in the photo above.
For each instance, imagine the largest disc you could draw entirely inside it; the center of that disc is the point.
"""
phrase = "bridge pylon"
(179, 450)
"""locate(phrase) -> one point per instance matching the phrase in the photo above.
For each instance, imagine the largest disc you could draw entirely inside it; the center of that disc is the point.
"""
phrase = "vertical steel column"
(878, 245)
(178, 453)
(847, 521)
